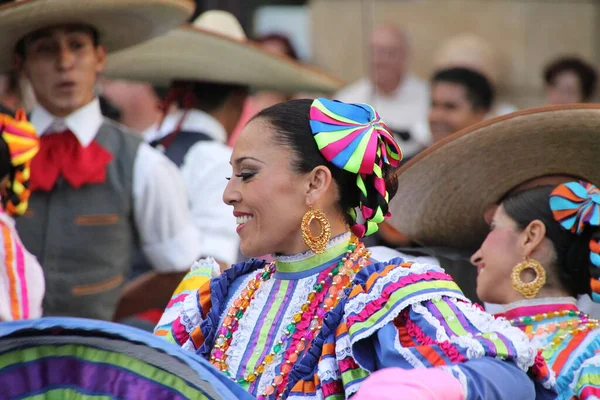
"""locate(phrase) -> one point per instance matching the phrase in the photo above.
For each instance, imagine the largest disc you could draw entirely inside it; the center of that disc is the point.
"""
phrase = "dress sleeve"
(415, 316)
(192, 316)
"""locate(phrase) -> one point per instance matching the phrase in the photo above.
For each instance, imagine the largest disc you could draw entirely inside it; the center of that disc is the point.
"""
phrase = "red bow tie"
(61, 154)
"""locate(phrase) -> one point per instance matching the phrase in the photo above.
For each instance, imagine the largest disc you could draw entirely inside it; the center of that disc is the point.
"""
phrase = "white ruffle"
(440, 333)
(406, 353)
(328, 370)
(343, 238)
(486, 323)
(317, 396)
(190, 313)
(242, 336)
(473, 347)
(303, 288)
(208, 263)
(359, 302)
(350, 390)
(343, 348)
(397, 309)
(590, 362)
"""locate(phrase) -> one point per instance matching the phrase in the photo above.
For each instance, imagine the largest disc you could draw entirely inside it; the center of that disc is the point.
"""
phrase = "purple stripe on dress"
(256, 331)
(461, 318)
(68, 372)
(430, 305)
(277, 324)
(470, 328)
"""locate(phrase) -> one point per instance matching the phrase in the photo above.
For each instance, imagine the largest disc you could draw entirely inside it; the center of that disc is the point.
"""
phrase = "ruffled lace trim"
(303, 288)
(360, 301)
(397, 308)
(407, 354)
(239, 342)
(343, 238)
(219, 288)
(329, 370)
(343, 349)
(573, 385)
(485, 323)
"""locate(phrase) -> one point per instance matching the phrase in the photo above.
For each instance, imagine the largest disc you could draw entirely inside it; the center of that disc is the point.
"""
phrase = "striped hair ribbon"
(23, 145)
(354, 138)
(576, 205)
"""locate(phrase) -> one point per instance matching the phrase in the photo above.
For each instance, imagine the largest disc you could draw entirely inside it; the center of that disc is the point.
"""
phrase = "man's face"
(451, 110)
(62, 64)
(388, 59)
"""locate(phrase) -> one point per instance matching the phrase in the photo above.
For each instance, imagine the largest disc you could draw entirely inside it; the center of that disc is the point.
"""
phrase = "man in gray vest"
(97, 189)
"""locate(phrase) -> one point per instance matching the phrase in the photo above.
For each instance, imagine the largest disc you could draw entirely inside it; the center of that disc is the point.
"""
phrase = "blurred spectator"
(460, 97)
(400, 98)
(569, 80)
(136, 104)
(471, 51)
(276, 44)
(15, 93)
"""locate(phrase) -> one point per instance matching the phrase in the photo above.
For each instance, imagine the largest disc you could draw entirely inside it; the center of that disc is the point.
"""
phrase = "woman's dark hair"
(573, 263)
(291, 124)
(585, 73)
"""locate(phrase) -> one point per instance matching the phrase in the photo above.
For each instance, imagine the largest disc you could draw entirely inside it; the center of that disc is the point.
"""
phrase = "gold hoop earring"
(528, 290)
(316, 243)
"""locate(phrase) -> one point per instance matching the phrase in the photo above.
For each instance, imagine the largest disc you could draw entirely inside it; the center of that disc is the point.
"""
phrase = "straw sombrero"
(215, 49)
(73, 358)
(445, 190)
(120, 23)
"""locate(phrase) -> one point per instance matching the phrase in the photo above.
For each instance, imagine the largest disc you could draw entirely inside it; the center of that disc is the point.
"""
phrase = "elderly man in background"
(401, 98)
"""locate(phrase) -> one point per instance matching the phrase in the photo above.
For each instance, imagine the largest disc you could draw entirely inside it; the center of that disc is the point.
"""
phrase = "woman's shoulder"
(200, 289)
(382, 290)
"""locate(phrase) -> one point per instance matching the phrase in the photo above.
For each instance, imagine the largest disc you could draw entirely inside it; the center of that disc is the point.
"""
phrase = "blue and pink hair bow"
(576, 205)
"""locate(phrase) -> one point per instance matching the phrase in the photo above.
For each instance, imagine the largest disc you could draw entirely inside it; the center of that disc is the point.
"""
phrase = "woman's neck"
(298, 246)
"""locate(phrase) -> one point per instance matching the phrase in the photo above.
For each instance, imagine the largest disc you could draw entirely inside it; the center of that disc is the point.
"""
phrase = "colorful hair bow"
(23, 145)
(354, 138)
(575, 205)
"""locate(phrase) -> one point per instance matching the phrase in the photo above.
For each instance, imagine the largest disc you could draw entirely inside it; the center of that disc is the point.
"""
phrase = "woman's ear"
(532, 237)
(318, 183)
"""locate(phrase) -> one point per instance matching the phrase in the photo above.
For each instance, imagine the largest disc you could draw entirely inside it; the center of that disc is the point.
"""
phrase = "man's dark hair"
(206, 96)
(480, 91)
(20, 46)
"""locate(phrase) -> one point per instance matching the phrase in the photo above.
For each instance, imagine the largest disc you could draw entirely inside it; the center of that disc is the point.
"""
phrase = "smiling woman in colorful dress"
(310, 179)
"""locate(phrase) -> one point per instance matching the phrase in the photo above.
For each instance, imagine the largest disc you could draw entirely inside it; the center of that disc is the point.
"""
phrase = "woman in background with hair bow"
(21, 277)
(542, 252)
(321, 318)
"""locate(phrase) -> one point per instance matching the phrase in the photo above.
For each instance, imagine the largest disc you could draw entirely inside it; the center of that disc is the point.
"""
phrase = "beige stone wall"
(526, 34)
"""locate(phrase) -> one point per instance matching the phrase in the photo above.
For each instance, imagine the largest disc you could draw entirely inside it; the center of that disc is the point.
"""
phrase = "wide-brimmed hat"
(215, 49)
(119, 23)
(445, 190)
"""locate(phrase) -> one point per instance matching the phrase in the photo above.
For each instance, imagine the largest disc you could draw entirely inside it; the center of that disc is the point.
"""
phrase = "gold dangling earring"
(316, 243)
(531, 289)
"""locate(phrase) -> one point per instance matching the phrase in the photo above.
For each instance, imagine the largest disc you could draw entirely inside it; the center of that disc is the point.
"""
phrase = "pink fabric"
(22, 284)
(415, 384)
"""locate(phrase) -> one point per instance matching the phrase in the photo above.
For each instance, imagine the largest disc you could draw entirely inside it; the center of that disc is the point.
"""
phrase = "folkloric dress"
(314, 326)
